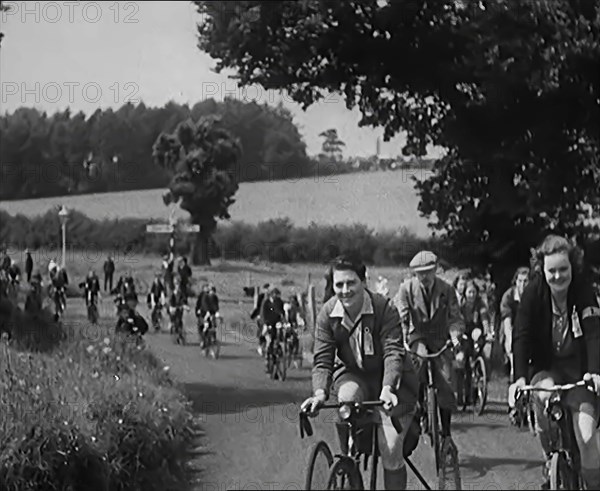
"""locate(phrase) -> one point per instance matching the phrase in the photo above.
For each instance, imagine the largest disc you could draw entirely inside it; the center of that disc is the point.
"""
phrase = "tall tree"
(202, 159)
(332, 145)
(510, 89)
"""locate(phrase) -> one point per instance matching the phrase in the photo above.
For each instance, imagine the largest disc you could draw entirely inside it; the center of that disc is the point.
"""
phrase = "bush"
(273, 240)
(100, 416)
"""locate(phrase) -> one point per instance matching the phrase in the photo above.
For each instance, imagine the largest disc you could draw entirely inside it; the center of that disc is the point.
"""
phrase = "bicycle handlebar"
(433, 355)
(356, 405)
(553, 388)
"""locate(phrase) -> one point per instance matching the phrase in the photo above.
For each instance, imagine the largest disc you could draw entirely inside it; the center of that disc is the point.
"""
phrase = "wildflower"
(120, 421)
(117, 378)
(106, 341)
(106, 350)
(95, 374)
(90, 349)
(166, 369)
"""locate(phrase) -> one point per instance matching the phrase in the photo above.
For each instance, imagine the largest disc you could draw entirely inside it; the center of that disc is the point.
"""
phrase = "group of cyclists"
(368, 346)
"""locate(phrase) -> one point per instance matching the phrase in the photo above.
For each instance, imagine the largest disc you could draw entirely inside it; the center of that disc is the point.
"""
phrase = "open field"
(381, 200)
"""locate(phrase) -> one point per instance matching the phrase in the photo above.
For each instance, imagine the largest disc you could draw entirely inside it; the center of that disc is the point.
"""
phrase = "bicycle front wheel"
(344, 474)
(449, 470)
(433, 426)
(562, 476)
(319, 462)
(479, 385)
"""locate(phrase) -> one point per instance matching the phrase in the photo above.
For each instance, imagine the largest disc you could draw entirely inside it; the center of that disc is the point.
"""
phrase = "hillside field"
(381, 200)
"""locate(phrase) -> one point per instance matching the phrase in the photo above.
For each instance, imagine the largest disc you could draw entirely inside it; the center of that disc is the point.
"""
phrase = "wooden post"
(311, 317)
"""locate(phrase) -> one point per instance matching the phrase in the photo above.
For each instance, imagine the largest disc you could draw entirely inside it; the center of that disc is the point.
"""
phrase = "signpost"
(171, 228)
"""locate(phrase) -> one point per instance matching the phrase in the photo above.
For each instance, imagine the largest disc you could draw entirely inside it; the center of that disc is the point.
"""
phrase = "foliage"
(110, 150)
(96, 413)
(332, 145)
(272, 240)
(202, 159)
(511, 89)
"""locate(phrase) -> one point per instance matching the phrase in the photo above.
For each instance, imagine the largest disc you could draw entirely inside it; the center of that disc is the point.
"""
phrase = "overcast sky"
(103, 54)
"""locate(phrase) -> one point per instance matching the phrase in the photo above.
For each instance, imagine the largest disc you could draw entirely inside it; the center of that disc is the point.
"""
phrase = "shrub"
(103, 416)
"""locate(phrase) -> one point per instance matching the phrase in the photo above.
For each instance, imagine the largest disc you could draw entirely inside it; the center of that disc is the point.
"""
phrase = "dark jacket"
(133, 319)
(387, 366)
(28, 263)
(532, 335)
(271, 312)
(109, 267)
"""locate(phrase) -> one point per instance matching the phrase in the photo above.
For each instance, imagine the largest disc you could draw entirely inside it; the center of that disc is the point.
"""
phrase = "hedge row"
(274, 240)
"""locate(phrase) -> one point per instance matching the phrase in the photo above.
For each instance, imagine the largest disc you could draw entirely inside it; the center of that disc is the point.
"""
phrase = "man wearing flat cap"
(430, 315)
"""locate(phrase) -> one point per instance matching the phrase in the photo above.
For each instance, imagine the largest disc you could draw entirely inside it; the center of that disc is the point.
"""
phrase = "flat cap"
(423, 261)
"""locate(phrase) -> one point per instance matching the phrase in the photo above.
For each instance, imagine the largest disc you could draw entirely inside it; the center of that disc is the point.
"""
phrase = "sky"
(90, 55)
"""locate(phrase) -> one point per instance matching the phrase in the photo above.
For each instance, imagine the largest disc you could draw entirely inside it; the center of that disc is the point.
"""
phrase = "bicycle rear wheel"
(479, 385)
(344, 474)
(319, 462)
(449, 470)
(562, 476)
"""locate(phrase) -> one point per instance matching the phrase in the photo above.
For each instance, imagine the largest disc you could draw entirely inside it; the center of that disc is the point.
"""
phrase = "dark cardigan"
(532, 336)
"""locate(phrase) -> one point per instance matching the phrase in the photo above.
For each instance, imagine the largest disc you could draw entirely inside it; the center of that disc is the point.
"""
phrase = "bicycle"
(58, 297)
(209, 342)
(292, 346)
(445, 452)
(474, 381)
(342, 471)
(156, 317)
(92, 308)
(177, 330)
(276, 354)
(564, 457)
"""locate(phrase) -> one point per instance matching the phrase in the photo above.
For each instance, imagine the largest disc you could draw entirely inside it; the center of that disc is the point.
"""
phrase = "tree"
(510, 89)
(202, 159)
(3, 8)
(332, 145)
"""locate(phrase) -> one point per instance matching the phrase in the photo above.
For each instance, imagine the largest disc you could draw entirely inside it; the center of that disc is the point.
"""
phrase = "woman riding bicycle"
(556, 340)
(363, 330)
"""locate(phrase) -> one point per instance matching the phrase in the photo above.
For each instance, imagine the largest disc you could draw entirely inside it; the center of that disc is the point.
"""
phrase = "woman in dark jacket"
(556, 340)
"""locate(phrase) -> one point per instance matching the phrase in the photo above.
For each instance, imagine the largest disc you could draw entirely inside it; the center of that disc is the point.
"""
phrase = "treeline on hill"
(274, 240)
(110, 150)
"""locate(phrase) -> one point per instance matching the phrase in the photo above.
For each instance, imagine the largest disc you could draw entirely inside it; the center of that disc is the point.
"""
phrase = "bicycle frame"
(562, 438)
(358, 417)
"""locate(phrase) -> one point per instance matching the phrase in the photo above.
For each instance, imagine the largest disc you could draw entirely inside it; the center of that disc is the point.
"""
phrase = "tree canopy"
(201, 158)
(510, 89)
(111, 150)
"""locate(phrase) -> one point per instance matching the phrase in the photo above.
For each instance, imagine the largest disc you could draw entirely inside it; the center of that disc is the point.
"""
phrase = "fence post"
(311, 317)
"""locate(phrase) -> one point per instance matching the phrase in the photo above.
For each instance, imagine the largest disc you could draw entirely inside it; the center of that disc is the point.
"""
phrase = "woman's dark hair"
(473, 283)
(462, 276)
(520, 270)
(554, 244)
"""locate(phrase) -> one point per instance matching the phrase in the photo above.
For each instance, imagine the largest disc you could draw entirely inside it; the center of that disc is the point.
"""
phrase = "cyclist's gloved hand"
(594, 380)
(312, 405)
(390, 400)
(512, 391)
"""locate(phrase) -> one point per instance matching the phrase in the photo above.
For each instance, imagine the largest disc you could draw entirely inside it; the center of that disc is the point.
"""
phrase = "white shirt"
(356, 338)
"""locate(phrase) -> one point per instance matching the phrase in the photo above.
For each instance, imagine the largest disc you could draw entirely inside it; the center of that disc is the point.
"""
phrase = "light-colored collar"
(517, 297)
(367, 307)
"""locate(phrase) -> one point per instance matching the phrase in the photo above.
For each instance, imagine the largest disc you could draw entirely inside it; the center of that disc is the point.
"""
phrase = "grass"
(381, 200)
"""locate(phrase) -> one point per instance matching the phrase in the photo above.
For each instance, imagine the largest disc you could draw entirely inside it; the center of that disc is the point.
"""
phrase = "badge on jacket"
(368, 342)
(575, 325)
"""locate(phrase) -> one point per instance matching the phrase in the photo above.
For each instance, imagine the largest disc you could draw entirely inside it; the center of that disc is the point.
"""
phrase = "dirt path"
(252, 438)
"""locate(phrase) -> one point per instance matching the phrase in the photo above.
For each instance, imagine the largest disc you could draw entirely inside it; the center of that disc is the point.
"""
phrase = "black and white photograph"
(299, 245)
